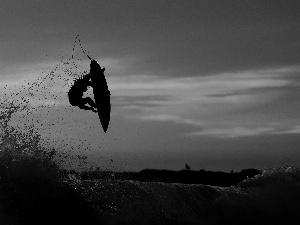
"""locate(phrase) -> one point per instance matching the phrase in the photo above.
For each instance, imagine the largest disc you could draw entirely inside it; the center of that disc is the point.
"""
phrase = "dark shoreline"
(221, 179)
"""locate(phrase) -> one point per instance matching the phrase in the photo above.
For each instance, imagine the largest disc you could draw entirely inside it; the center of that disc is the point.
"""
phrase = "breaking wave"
(269, 198)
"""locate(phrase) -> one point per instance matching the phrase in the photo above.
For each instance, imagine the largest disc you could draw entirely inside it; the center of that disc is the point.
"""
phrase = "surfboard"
(101, 94)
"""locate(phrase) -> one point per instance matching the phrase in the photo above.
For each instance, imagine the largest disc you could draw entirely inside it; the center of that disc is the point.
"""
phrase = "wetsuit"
(76, 92)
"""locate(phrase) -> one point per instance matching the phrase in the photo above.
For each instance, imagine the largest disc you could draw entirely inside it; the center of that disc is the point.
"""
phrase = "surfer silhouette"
(76, 92)
(95, 79)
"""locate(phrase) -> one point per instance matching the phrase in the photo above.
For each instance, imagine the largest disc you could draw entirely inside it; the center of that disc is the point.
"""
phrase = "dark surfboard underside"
(101, 94)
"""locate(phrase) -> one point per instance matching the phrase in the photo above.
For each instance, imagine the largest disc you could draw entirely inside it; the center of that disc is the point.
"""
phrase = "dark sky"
(211, 83)
(192, 37)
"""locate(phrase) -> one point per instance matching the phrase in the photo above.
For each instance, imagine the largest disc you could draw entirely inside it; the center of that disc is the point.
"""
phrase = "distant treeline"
(220, 179)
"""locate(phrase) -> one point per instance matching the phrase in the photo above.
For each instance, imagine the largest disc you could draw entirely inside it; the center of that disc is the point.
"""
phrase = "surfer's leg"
(82, 104)
(85, 107)
(89, 101)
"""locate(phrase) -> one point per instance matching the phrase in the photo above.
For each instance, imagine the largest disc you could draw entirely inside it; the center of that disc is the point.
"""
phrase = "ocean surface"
(270, 198)
(35, 190)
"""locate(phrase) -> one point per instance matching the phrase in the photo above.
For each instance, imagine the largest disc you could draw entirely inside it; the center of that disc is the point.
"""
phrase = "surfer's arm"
(88, 108)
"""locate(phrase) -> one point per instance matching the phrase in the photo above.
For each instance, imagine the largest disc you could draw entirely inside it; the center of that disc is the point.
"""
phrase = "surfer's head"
(81, 83)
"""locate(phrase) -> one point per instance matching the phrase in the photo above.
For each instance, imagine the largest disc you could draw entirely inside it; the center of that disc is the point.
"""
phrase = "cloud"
(223, 105)
(161, 117)
(235, 89)
(233, 132)
(291, 130)
(170, 118)
(206, 85)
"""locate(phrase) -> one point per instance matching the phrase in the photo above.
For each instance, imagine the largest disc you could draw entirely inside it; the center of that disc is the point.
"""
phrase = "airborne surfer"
(95, 79)
(76, 92)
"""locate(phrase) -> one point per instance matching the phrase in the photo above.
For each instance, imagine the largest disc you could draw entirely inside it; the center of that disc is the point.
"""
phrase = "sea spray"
(34, 186)
(27, 170)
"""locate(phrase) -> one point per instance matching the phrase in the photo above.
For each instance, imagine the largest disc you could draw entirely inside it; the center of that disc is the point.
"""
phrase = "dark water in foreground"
(44, 197)
(270, 198)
